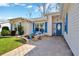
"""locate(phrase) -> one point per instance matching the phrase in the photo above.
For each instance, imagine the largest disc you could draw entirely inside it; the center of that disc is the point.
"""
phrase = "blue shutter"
(46, 27)
(66, 23)
(33, 28)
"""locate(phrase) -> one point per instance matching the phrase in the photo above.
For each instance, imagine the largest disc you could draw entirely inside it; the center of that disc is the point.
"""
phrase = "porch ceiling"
(39, 19)
(15, 20)
(20, 19)
(53, 14)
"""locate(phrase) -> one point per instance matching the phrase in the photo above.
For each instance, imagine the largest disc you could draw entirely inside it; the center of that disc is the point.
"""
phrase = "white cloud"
(29, 6)
(20, 4)
(9, 17)
(4, 4)
(13, 4)
(5, 18)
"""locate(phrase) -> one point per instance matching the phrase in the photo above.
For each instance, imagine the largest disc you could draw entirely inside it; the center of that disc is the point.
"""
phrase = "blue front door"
(58, 29)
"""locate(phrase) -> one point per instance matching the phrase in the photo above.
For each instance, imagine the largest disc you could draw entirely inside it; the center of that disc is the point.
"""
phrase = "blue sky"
(13, 10)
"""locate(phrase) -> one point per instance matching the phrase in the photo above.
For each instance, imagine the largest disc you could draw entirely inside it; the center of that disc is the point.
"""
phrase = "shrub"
(5, 32)
(5, 28)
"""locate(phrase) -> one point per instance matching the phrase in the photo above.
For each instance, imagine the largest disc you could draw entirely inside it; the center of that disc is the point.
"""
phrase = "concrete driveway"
(50, 46)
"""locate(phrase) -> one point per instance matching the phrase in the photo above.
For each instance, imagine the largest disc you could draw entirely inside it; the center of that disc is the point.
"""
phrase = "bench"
(25, 39)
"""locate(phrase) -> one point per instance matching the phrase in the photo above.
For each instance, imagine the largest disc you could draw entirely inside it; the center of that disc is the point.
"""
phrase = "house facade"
(49, 24)
(70, 17)
(65, 22)
(29, 25)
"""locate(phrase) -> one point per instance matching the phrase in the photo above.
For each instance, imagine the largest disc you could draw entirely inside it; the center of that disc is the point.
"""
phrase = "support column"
(49, 25)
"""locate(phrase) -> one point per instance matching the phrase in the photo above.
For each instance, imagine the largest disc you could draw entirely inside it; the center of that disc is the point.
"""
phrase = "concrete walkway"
(20, 51)
(50, 46)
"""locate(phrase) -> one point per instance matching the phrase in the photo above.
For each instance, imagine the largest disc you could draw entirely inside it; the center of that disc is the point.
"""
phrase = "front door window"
(59, 27)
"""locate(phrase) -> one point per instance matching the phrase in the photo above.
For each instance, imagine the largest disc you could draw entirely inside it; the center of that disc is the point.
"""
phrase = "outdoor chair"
(26, 37)
(37, 36)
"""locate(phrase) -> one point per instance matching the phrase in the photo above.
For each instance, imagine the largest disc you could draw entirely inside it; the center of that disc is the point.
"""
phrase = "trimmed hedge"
(5, 28)
(5, 31)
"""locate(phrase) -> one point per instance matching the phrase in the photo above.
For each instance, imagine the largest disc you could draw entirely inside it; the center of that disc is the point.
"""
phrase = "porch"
(50, 46)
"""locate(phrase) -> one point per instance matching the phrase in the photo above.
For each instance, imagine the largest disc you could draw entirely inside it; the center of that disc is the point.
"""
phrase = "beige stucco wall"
(51, 26)
(55, 19)
(27, 26)
(72, 37)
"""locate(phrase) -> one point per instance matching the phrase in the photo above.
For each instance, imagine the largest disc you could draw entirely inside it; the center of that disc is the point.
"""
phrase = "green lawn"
(9, 43)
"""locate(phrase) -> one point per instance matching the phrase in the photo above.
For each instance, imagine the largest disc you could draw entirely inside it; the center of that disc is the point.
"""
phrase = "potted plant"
(41, 27)
(20, 30)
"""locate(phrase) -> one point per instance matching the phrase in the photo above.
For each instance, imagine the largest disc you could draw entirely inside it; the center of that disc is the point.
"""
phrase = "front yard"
(9, 43)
